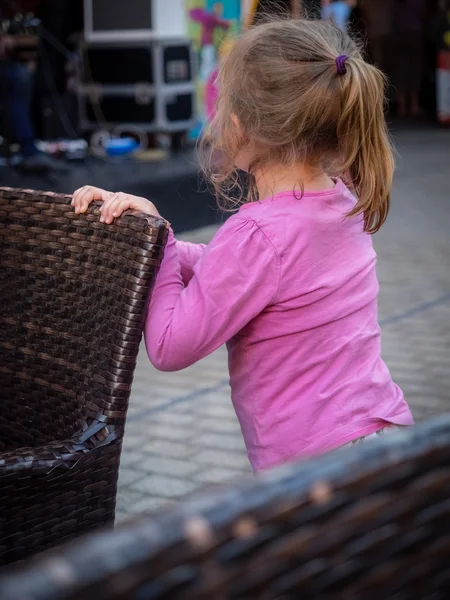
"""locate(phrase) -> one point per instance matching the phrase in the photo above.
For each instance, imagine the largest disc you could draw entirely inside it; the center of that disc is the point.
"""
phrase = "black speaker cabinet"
(112, 65)
(145, 84)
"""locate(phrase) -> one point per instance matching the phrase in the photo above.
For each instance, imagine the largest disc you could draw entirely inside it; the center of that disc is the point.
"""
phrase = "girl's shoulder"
(243, 234)
(240, 226)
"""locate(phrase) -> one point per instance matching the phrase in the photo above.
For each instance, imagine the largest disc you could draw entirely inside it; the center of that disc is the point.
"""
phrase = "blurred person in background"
(338, 12)
(61, 30)
(377, 15)
(18, 57)
(409, 55)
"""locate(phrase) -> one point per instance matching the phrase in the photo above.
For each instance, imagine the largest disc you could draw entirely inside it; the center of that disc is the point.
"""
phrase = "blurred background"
(115, 93)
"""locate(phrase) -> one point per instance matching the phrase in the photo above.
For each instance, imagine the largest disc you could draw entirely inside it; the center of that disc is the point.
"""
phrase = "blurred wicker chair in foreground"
(73, 296)
(367, 523)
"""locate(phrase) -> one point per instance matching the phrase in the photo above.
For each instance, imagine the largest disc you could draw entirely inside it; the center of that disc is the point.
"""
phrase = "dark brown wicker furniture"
(370, 522)
(73, 302)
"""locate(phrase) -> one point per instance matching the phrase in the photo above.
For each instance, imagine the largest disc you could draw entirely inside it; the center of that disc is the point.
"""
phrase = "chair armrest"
(65, 453)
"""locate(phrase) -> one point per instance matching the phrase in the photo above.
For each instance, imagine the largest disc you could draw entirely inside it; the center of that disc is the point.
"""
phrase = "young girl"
(289, 281)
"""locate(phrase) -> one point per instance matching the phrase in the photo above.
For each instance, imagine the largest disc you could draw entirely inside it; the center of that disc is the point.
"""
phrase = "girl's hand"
(114, 204)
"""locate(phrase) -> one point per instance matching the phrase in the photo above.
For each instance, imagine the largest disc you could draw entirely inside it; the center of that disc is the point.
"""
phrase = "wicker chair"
(365, 523)
(73, 296)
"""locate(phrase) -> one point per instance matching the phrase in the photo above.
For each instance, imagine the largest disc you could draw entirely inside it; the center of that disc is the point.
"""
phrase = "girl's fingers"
(83, 200)
(115, 206)
(114, 203)
(87, 194)
(80, 196)
(76, 197)
(119, 208)
(106, 209)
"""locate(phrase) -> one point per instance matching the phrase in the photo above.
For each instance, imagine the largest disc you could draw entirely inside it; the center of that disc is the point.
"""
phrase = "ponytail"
(364, 145)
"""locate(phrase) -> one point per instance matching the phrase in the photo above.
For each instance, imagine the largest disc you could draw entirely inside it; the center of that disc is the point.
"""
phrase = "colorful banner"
(210, 23)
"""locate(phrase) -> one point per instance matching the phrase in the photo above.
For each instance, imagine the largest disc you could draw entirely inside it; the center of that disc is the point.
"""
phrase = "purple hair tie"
(340, 64)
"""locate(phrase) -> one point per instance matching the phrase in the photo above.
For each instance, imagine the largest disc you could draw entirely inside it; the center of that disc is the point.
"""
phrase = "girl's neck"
(276, 179)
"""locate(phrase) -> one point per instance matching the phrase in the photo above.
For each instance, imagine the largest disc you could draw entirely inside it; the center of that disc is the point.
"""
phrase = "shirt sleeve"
(189, 255)
(234, 281)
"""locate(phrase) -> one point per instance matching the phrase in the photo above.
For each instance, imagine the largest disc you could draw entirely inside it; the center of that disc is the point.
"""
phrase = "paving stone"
(169, 466)
(148, 504)
(176, 419)
(219, 426)
(163, 486)
(219, 475)
(131, 443)
(168, 448)
(127, 476)
(126, 498)
(221, 458)
(151, 430)
(130, 458)
(215, 411)
(222, 441)
(121, 516)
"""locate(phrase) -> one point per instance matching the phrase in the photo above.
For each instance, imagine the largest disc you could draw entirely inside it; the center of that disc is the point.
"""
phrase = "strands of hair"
(281, 81)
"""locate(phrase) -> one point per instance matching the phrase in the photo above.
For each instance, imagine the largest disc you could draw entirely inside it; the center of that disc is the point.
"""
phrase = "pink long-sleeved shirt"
(290, 285)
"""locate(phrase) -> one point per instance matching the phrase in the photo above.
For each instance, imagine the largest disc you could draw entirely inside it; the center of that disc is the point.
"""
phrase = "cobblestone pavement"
(182, 433)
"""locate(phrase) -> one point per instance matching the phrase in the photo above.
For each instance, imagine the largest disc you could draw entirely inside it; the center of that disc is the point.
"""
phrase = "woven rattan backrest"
(73, 294)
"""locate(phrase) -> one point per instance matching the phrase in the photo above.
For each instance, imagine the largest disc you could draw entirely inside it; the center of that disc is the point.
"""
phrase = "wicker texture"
(73, 295)
(370, 522)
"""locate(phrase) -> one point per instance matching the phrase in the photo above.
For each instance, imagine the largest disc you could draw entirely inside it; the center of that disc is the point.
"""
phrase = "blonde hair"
(281, 81)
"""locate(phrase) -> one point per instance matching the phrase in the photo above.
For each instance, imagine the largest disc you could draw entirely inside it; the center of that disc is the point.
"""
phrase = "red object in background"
(443, 65)
(443, 87)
